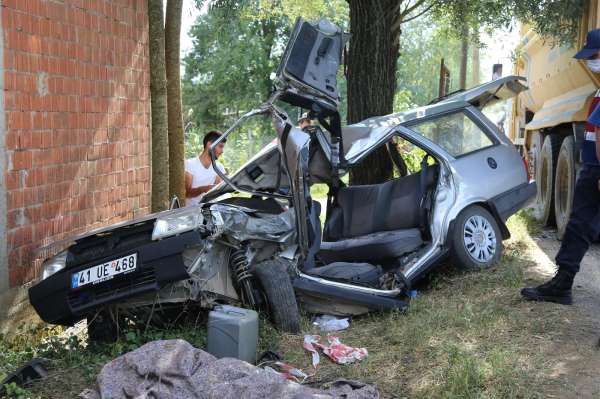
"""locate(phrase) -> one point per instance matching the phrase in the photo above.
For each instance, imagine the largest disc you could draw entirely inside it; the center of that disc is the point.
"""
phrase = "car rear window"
(455, 133)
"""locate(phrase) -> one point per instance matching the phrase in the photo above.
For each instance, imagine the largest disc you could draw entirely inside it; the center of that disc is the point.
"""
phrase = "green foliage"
(556, 20)
(14, 391)
(334, 10)
(227, 72)
(193, 140)
(73, 364)
(422, 46)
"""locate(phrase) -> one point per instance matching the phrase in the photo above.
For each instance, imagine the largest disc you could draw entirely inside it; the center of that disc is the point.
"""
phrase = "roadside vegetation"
(465, 335)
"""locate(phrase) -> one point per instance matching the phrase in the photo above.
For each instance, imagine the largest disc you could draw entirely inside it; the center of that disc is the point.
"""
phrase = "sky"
(188, 16)
(499, 50)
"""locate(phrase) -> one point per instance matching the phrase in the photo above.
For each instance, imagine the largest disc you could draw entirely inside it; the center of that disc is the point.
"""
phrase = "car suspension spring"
(238, 262)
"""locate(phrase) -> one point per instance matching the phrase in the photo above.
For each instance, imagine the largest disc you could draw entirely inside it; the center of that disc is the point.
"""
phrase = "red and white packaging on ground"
(336, 351)
(309, 345)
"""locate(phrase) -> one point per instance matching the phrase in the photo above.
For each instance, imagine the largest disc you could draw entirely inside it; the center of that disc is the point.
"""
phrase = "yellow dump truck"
(548, 121)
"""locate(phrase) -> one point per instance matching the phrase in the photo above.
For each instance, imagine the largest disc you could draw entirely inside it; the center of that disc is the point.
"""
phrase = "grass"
(466, 335)
(72, 363)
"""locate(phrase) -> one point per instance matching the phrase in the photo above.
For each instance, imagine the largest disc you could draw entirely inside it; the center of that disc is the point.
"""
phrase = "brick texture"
(77, 106)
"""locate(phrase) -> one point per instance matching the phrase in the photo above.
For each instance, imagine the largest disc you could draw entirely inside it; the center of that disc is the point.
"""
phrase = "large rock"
(175, 369)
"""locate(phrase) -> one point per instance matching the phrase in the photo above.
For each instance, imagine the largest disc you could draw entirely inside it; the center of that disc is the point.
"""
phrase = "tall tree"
(158, 104)
(476, 70)
(175, 121)
(371, 68)
(464, 57)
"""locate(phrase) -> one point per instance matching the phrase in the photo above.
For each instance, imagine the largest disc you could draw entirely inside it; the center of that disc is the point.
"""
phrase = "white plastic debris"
(331, 323)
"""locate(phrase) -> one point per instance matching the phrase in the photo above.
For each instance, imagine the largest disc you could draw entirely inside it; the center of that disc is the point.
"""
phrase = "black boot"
(557, 290)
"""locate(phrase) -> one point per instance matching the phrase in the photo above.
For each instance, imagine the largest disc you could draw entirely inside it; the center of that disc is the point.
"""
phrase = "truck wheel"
(102, 327)
(281, 299)
(545, 177)
(476, 240)
(534, 151)
(564, 185)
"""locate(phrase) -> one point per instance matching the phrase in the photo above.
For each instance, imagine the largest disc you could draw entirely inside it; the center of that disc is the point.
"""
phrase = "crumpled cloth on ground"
(328, 323)
(175, 369)
(336, 351)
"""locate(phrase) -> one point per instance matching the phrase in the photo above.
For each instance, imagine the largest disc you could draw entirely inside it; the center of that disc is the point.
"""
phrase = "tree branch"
(410, 8)
(425, 11)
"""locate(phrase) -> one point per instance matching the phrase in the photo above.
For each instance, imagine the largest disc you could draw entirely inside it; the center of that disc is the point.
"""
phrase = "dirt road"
(577, 351)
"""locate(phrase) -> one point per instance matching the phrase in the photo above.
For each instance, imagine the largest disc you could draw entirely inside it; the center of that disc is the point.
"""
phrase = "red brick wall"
(77, 115)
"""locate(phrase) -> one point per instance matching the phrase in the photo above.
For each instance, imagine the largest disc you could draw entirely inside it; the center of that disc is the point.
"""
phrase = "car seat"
(371, 223)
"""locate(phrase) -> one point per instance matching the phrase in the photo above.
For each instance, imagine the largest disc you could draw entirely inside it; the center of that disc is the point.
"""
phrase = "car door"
(484, 165)
(307, 73)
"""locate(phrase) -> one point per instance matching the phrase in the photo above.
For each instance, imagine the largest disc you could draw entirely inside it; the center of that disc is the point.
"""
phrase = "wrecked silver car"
(256, 239)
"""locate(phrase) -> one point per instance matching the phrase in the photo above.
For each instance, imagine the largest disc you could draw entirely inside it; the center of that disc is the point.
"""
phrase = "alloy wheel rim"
(479, 238)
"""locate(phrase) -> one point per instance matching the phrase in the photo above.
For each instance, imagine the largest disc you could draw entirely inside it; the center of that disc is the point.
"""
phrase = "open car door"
(307, 74)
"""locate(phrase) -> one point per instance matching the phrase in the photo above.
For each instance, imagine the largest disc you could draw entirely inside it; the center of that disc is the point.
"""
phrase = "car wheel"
(281, 299)
(564, 185)
(545, 177)
(102, 327)
(476, 239)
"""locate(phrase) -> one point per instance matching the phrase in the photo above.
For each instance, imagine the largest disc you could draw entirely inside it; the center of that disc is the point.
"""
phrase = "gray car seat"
(351, 272)
(377, 222)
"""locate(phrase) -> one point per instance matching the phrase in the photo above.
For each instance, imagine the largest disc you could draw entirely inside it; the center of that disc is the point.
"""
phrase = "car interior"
(371, 229)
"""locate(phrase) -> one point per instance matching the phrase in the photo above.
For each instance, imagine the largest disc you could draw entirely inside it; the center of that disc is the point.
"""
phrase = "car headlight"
(54, 265)
(177, 222)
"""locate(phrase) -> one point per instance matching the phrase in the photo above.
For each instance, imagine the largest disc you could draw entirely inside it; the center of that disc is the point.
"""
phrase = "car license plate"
(104, 272)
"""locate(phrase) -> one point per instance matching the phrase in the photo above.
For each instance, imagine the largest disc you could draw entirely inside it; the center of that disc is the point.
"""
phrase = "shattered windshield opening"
(246, 141)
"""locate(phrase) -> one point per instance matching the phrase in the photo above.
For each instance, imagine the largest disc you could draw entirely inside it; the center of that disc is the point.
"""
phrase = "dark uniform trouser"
(584, 224)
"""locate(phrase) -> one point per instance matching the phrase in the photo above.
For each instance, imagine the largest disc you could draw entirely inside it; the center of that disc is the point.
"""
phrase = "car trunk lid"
(489, 93)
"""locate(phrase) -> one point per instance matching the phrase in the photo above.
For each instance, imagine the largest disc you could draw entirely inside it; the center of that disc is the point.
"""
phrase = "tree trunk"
(371, 66)
(476, 58)
(464, 56)
(176, 147)
(158, 104)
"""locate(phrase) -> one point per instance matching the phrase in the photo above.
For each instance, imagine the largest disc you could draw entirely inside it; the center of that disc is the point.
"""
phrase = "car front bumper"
(159, 263)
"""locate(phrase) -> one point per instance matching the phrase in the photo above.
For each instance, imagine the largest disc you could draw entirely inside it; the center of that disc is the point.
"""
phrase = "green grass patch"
(74, 365)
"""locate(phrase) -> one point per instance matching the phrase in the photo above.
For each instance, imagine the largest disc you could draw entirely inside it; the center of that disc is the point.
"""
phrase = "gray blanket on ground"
(175, 369)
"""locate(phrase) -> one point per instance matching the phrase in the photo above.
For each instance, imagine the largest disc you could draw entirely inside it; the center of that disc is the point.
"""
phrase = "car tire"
(545, 177)
(280, 297)
(564, 185)
(102, 327)
(476, 239)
